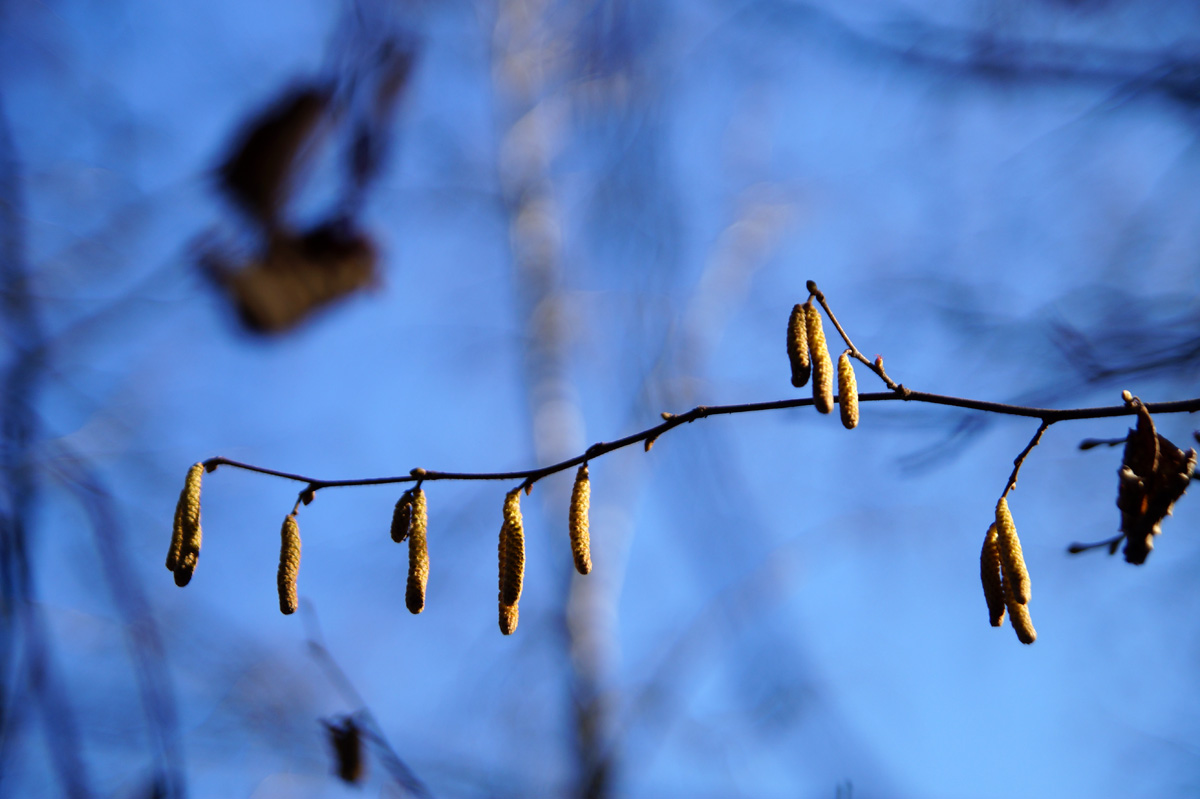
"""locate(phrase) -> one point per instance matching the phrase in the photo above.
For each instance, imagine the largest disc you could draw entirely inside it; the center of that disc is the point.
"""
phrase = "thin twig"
(400, 771)
(1089, 443)
(877, 365)
(1047, 415)
(1111, 543)
(1033, 442)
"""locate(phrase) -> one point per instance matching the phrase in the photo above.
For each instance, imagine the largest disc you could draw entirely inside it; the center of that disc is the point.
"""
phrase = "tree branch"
(1048, 416)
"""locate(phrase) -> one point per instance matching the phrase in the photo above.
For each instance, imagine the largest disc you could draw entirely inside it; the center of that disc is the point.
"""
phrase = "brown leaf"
(1153, 476)
(368, 151)
(345, 739)
(257, 173)
(297, 275)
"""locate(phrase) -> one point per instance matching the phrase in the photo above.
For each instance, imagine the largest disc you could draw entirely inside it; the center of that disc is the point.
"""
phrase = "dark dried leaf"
(257, 173)
(345, 738)
(297, 275)
(1154, 474)
(368, 150)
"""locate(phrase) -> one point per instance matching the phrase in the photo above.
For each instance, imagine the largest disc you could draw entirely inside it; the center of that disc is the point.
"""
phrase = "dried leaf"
(373, 132)
(297, 275)
(1154, 474)
(345, 738)
(257, 173)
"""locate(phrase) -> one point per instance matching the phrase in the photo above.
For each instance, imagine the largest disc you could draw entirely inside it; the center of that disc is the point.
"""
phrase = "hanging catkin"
(581, 496)
(989, 575)
(1011, 558)
(512, 550)
(187, 531)
(797, 347)
(822, 364)
(289, 565)
(1018, 613)
(176, 537)
(847, 392)
(509, 617)
(402, 517)
(418, 554)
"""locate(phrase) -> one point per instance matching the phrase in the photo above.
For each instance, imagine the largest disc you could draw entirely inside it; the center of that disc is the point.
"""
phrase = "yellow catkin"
(289, 565)
(188, 510)
(581, 496)
(989, 575)
(509, 616)
(402, 517)
(418, 555)
(176, 537)
(512, 550)
(847, 392)
(822, 364)
(1012, 560)
(797, 347)
(1019, 615)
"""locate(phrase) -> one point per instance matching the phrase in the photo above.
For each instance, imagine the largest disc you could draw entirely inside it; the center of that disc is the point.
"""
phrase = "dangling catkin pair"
(511, 547)
(1005, 579)
(808, 354)
(186, 534)
(410, 520)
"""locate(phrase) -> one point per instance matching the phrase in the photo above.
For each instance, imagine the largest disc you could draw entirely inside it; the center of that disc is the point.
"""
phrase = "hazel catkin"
(847, 392)
(187, 531)
(797, 347)
(176, 537)
(990, 576)
(418, 554)
(512, 550)
(509, 617)
(1012, 560)
(1019, 614)
(402, 516)
(289, 565)
(581, 495)
(822, 364)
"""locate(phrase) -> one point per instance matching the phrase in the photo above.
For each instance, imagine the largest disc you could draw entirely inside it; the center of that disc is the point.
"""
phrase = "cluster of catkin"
(410, 521)
(185, 543)
(185, 537)
(511, 547)
(1004, 576)
(809, 354)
